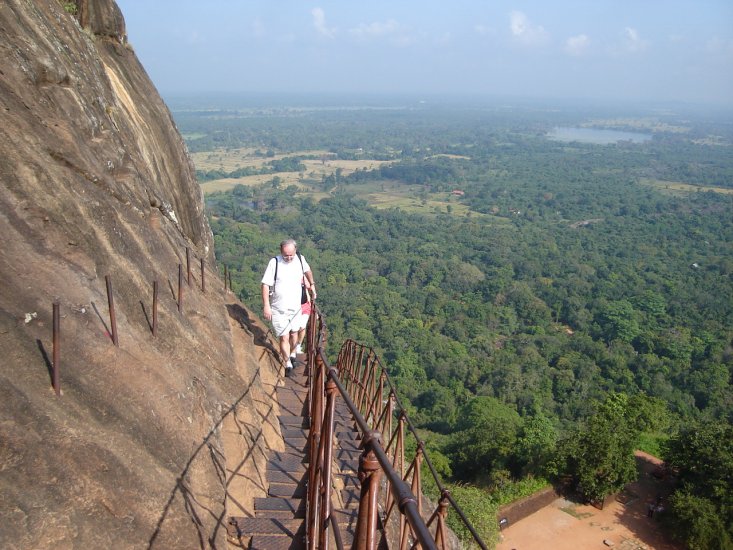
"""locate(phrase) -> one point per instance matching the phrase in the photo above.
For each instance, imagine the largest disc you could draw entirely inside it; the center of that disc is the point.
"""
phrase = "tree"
(697, 521)
(535, 444)
(702, 454)
(600, 456)
(487, 432)
(619, 321)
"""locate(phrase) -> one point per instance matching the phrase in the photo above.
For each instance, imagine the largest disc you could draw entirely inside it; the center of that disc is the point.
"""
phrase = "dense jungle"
(544, 305)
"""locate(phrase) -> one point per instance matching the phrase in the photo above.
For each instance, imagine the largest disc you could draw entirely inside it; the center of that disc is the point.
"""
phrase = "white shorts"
(303, 321)
(286, 321)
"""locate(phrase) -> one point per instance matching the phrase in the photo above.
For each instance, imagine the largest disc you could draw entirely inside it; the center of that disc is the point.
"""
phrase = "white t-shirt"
(288, 284)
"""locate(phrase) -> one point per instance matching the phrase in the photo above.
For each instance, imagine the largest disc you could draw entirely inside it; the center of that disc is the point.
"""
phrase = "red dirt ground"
(566, 525)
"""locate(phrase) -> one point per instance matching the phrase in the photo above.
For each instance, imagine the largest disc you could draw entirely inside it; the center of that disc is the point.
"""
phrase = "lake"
(595, 135)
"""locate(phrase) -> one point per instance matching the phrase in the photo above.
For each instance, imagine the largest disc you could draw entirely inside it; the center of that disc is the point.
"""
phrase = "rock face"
(95, 181)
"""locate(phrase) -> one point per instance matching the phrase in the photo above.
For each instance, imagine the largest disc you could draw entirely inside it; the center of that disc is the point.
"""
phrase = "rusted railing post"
(371, 387)
(365, 537)
(399, 459)
(356, 363)
(370, 373)
(57, 347)
(390, 410)
(325, 489)
(180, 288)
(417, 475)
(155, 308)
(188, 266)
(203, 276)
(393, 450)
(112, 316)
(356, 370)
(315, 449)
(374, 410)
(440, 529)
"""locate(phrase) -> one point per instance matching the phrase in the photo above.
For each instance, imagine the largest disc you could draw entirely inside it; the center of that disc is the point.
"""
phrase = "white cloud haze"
(577, 45)
(565, 48)
(525, 31)
(319, 22)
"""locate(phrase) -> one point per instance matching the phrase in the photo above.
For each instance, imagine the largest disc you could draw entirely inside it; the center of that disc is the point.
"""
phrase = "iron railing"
(365, 387)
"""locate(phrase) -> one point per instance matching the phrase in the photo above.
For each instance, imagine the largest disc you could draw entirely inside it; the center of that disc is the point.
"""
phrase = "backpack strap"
(276, 262)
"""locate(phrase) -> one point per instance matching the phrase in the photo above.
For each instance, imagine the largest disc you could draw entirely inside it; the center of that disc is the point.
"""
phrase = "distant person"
(282, 291)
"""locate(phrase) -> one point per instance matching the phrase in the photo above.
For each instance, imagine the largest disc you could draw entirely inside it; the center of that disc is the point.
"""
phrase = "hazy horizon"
(676, 51)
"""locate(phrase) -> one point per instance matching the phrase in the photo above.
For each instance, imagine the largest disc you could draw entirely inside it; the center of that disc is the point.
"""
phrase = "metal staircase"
(279, 521)
(343, 479)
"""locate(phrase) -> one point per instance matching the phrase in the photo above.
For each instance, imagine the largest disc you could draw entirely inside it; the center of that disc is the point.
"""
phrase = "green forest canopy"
(568, 287)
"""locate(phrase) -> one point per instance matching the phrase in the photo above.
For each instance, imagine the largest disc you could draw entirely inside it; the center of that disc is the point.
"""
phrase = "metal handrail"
(362, 379)
(366, 380)
(373, 462)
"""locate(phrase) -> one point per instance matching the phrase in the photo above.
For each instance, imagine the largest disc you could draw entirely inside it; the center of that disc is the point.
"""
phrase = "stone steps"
(279, 521)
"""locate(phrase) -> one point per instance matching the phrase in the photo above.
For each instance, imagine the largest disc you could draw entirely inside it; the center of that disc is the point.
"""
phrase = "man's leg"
(301, 333)
(285, 347)
(295, 324)
(285, 352)
(279, 325)
(292, 343)
(299, 343)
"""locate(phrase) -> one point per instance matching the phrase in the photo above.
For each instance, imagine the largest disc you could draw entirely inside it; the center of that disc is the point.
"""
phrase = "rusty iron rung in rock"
(188, 266)
(180, 288)
(155, 308)
(112, 316)
(56, 366)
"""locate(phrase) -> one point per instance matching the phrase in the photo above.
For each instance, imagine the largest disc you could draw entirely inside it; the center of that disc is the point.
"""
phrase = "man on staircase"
(283, 292)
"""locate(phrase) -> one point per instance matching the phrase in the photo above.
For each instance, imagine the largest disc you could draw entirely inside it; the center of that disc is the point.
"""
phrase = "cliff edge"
(155, 441)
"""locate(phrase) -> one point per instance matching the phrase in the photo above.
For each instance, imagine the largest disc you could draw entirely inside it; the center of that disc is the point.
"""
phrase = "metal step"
(279, 476)
(292, 420)
(288, 455)
(296, 446)
(291, 431)
(271, 542)
(287, 490)
(264, 526)
(293, 409)
(280, 534)
(294, 506)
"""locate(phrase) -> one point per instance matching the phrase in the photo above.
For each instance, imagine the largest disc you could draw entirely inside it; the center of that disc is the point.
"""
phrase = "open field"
(681, 189)
(233, 159)
(229, 160)
(410, 198)
(377, 194)
(227, 184)
(647, 124)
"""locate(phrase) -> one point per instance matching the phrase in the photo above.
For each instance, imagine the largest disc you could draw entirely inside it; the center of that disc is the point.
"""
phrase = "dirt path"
(566, 525)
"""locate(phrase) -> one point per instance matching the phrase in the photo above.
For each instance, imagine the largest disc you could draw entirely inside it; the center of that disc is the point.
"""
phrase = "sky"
(617, 50)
